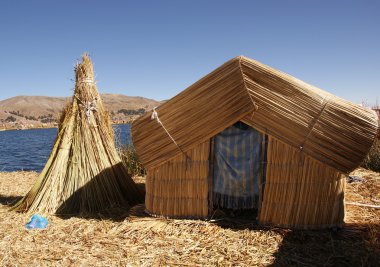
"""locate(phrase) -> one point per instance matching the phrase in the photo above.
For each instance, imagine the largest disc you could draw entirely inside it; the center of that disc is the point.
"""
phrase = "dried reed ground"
(138, 240)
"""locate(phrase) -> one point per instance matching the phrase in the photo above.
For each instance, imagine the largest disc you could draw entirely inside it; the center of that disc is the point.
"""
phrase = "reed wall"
(300, 191)
(179, 187)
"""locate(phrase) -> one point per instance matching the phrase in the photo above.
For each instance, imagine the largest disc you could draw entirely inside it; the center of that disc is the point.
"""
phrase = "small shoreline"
(32, 128)
(49, 127)
(23, 127)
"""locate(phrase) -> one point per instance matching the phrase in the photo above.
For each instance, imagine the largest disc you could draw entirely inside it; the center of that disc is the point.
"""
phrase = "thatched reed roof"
(325, 127)
(84, 173)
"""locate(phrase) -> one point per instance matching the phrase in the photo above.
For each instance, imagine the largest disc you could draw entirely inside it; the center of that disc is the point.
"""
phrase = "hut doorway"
(237, 168)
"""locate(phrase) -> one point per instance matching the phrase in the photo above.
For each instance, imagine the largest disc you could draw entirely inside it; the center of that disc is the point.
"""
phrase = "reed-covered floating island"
(84, 173)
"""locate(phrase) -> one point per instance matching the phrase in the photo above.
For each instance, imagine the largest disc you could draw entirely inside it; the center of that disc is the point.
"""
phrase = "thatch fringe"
(84, 173)
(237, 203)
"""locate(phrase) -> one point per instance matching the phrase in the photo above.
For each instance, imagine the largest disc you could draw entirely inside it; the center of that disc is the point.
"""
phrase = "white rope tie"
(89, 106)
(155, 117)
(87, 80)
(324, 103)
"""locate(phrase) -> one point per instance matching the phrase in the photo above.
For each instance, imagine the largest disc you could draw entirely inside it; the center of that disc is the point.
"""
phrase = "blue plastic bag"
(37, 222)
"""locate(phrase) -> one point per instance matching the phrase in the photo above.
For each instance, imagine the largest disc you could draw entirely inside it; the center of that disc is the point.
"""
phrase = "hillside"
(36, 111)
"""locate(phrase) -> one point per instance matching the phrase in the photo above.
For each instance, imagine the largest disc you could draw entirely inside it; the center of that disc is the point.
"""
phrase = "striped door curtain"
(237, 167)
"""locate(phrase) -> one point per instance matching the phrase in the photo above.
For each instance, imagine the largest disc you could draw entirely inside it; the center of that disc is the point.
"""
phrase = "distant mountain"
(34, 105)
(28, 109)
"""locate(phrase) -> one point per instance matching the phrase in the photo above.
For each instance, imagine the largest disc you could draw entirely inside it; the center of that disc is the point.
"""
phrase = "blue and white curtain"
(237, 168)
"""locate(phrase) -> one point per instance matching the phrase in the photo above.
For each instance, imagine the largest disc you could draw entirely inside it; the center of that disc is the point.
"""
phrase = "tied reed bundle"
(84, 173)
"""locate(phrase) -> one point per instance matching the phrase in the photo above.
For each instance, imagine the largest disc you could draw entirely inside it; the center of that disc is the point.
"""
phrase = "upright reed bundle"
(84, 173)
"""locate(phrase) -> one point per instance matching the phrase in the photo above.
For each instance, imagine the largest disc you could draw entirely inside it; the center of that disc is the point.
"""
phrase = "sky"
(156, 49)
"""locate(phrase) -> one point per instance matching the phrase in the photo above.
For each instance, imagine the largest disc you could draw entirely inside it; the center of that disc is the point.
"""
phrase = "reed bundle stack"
(84, 173)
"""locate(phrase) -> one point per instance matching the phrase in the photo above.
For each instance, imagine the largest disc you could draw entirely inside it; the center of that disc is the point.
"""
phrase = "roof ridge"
(240, 58)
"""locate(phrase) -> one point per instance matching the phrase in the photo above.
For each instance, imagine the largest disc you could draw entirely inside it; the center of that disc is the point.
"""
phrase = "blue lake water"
(30, 149)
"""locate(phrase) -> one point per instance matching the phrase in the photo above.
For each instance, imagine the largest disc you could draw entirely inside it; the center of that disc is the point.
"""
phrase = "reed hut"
(247, 136)
(84, 173)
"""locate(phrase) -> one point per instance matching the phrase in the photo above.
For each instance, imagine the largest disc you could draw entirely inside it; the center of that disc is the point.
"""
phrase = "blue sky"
(156, 49)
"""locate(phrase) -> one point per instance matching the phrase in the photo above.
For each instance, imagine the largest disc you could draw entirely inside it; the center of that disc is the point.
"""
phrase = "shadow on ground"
(108, 196)
(115, 213)
(353, 245)
(9, 200)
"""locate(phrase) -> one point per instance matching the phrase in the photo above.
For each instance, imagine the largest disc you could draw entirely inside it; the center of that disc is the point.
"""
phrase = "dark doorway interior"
(237, 168)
